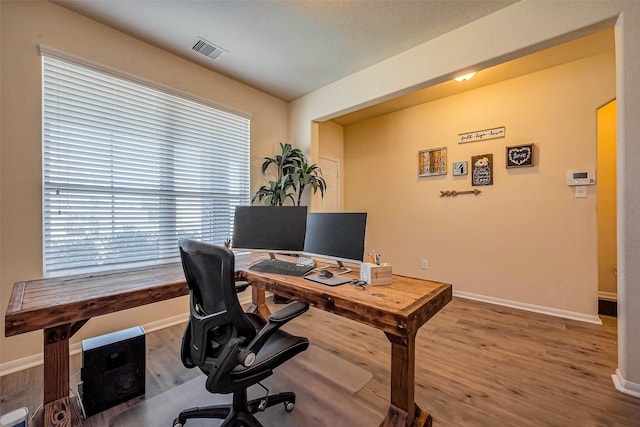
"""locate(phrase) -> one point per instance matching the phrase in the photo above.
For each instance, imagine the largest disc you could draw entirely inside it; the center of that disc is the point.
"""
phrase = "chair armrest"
(219, 373)
(248, 355)
(241, 286)
(289, 312)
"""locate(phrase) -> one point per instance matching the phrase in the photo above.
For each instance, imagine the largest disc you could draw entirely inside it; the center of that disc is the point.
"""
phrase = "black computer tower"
(113, 369)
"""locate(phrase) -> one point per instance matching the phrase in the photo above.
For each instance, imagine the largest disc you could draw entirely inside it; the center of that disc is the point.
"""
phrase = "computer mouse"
(325, 274)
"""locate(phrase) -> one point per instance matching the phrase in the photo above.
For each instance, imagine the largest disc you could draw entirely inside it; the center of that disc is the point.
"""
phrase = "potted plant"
(293, 174)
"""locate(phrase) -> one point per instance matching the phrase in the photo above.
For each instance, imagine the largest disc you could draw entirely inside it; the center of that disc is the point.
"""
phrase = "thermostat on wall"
(581, 177)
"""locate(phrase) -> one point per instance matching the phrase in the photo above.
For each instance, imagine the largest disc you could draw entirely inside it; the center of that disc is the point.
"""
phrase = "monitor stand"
(273, 256)
(340, 267)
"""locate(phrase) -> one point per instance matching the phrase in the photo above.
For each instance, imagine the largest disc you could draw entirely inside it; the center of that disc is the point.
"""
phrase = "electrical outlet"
(425, 264)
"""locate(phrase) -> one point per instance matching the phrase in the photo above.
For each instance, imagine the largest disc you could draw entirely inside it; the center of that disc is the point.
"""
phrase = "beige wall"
(526, 238)
(606, 206)
(331, 136)
(524, 27)
(25, 25)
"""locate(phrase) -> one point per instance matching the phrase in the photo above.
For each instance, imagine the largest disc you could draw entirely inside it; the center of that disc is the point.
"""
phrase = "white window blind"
(129, 169)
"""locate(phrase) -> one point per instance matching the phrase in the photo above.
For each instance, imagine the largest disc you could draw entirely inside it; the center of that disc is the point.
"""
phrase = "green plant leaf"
(293, 175)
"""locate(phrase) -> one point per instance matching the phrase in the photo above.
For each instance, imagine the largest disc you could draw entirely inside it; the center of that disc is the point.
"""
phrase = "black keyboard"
(278, 266)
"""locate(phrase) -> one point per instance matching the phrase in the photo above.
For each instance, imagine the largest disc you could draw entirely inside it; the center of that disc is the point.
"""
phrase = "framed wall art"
(432, 162)
(460, 168)
(520, 156)
(482, 169)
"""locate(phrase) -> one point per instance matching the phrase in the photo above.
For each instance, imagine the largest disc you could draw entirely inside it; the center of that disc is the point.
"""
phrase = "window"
(129, 169)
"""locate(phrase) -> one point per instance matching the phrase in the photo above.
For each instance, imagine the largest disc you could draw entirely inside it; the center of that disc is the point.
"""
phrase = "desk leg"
(259, 303)
(403, 411)
(57, 405)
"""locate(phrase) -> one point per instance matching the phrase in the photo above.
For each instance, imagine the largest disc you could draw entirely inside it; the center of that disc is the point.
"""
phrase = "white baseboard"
(531, 307)
(20, 364)
(165, 323)
(626, 387)
(608, 296)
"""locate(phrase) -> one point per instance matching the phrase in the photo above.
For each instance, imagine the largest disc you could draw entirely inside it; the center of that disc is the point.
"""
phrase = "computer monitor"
(272, 229)
(337, 236)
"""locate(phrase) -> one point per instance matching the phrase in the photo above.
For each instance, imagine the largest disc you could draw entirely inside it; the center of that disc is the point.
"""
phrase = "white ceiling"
(282, 47)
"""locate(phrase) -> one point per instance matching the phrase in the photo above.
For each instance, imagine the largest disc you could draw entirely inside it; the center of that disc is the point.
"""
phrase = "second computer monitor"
(337, 236)
(270, 229)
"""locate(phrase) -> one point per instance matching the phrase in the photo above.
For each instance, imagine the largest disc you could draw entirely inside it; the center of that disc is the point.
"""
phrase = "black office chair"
(234, 349)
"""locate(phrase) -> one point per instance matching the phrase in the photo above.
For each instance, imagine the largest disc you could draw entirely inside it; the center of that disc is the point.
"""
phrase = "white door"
(331, 174)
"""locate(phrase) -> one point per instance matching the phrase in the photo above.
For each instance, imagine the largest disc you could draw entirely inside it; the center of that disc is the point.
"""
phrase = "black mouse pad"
(329, 281)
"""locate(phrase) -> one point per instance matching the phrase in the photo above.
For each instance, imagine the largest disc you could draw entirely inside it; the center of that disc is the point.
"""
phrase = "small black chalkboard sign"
(520, 156)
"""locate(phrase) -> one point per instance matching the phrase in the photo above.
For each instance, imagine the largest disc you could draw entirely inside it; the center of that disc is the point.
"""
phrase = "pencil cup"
(375, 274)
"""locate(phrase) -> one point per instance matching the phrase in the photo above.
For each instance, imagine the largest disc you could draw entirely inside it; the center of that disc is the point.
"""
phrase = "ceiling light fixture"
(465, 77)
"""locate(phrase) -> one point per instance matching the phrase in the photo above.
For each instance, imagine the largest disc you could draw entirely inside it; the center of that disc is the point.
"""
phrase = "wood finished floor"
(476, 365)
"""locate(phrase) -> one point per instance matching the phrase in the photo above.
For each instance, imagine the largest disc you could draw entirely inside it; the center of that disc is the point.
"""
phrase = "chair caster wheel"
(288, 406)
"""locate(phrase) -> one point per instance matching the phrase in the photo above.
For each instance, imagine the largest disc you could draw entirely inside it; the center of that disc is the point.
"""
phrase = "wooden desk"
(398, 309)
(61, 306)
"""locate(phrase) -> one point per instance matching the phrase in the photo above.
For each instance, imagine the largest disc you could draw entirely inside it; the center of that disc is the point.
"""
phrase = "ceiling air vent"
(209, 50)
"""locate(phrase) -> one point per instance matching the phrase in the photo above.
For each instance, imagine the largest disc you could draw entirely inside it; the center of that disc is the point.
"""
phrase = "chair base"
(240, 412)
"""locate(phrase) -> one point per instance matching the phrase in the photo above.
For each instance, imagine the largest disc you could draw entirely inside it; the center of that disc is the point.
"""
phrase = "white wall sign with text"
(481, 135)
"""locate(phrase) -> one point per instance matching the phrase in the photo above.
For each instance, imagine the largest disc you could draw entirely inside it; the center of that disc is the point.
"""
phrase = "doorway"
(606, 210)
(331, 173)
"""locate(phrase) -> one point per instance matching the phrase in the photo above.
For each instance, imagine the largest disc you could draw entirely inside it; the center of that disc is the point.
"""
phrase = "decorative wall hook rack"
(454, 193)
